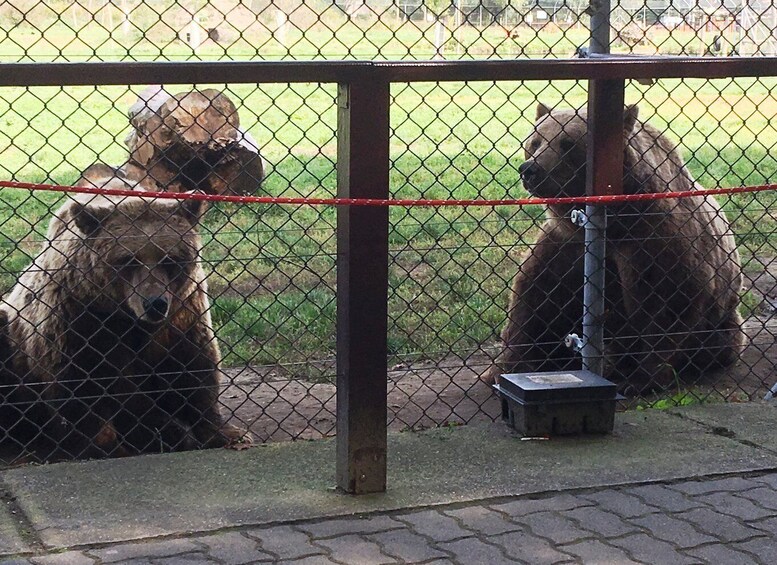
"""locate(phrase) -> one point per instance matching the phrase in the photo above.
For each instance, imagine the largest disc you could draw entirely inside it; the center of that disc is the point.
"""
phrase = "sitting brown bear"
(673, 274)
(109, 329)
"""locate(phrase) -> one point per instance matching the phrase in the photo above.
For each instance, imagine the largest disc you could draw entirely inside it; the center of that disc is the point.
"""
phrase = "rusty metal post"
(604, 175)
(362, 285)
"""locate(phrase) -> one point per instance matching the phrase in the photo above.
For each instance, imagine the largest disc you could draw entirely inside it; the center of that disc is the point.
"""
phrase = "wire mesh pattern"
(378, 29)
(270, 271)
(451, 269)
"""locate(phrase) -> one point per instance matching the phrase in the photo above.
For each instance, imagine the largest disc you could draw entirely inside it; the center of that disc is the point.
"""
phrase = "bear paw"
(489, 376)
(226, 435)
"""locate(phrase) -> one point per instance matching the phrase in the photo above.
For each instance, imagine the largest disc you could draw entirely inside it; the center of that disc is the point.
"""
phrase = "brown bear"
(673, 277)
(110, 329)
(100, 175)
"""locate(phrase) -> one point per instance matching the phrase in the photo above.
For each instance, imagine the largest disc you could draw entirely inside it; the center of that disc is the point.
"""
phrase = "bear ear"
(193, 209)
(630, 114)
(87, 219)
(542, 110)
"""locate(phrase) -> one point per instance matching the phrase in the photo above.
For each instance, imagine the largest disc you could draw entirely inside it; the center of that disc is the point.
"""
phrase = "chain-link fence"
(271, 270)
(177, 30)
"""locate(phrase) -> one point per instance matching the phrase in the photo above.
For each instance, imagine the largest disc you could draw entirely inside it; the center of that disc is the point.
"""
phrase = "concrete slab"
(10, 539)
(115, 500)
(752, 422)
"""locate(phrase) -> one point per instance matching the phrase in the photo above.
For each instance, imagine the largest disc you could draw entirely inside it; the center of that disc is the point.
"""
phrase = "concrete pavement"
(690, 485)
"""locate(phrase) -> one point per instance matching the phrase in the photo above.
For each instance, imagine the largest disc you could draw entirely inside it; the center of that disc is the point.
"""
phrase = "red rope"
(610, 199)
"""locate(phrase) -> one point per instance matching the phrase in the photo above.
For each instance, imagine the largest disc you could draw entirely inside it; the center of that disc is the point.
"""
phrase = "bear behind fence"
(673, 278)
(107, 333)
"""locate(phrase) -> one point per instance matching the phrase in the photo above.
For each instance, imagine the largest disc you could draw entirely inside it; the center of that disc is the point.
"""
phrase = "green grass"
(271, 268)
(680, 398)
(44, 37)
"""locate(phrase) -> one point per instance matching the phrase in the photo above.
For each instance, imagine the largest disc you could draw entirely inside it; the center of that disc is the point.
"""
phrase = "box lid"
(571, 386)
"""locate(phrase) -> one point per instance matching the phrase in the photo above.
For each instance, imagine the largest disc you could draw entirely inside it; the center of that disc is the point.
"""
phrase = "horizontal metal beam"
(255, 72)
(172, 72)
(611, 67)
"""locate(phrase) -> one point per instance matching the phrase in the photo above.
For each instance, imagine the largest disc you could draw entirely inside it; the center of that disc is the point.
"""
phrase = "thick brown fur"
(109, 329)
(673, 272)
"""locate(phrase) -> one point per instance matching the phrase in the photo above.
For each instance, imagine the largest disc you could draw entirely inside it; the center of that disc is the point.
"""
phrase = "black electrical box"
(565, 402)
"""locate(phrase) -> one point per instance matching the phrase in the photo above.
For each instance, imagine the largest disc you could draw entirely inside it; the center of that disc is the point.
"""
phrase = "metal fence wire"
(137, 324)
(460, 29)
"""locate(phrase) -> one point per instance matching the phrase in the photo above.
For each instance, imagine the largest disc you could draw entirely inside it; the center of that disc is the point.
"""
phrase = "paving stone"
(650, 550)
(527, 506)
(704, 487)
(66, 558)
(315, 560)
(603, 523)
(764, 496)
(154, 549)
(435, 525)
(770, 480)
(472, 550)
(723, 527)
(670, 529)
(594, 552)
(528, 548)
(283, 542)
(557, 528)
(183, 559)
(405, 545)
(622, 504)
(720, 554)
(665, 498)
(481, 519)
(233, 548)
(355, 549)
(769, 525)
(329, 528)
(765, 548)
(728, 503)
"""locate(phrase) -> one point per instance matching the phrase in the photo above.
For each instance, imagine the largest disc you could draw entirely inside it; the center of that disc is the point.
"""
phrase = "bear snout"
(531, 174)
(156, 308)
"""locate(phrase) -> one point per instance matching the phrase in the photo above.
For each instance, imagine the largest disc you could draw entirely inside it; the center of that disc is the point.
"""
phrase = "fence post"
(604, 175)
(362, 285)
(600, 28)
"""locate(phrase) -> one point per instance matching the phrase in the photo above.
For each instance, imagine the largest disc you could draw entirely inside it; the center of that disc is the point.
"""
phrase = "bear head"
(555, 164)
(100, 175)
(133, 255)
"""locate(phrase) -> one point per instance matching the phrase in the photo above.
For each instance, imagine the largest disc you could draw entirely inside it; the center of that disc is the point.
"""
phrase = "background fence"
(292, 29)
(271, 270)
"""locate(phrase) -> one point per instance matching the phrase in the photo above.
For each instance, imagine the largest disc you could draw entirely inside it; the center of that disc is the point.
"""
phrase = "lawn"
(272, 268)
(60, 30)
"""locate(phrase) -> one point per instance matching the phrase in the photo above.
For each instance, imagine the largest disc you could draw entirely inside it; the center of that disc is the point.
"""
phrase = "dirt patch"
(426, 394)
(420, 395)
(761, 281)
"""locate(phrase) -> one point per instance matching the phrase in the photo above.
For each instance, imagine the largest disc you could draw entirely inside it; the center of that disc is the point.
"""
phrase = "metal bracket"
(578, 217)
(582, 52)
(574, 342)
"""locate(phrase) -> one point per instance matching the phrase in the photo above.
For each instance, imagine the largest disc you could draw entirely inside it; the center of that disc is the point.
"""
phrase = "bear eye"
(173, 265)
(566, 145)
(126, 262)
